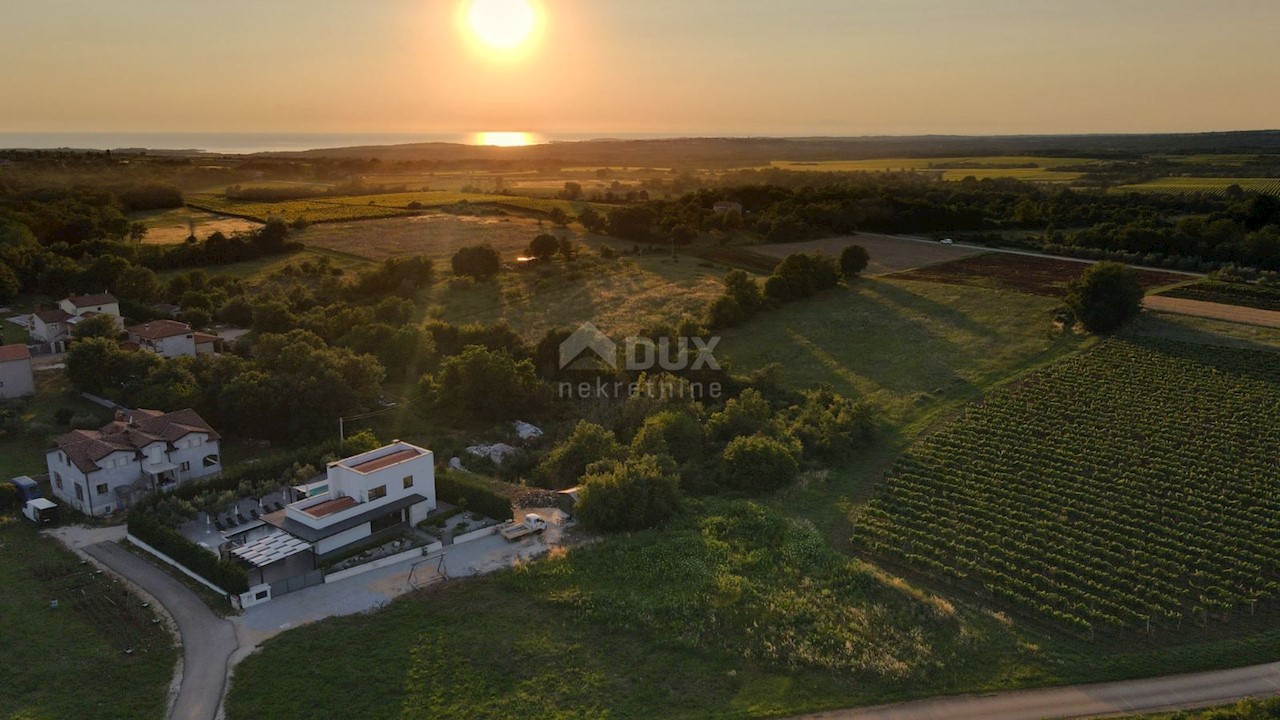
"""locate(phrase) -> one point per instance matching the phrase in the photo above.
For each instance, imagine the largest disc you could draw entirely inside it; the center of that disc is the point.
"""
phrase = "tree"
(567, 462)
(483, 385)
(138, 283)
(758, 464)
(830, 425)
(558, 216)
(1105, 297)
(744, 289)
(9, 283)
(684, 234)
(777, 288)
(571, 191)
(631, 222)
(361, 442)
(724, 312)
(567, 249)
(670, 432)
(170, 386)
(853, 260)
(103, 326)
(96, 363)
(591, 220)
(747, 414)
(630, 495)
(476, 261)
(544, 246)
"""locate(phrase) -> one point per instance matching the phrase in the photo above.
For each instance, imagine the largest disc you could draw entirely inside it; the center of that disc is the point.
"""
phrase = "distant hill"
(738, 152)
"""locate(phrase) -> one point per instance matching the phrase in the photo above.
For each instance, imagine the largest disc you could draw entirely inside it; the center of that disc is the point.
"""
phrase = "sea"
(244, 143)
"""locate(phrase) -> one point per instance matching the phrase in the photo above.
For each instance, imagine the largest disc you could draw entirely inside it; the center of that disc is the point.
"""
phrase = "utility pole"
(342, 437)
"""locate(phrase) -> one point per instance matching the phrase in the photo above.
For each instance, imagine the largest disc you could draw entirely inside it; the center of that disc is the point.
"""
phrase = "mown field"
(1262, 297)
(71, 662)
(365, 207)
(1130, 489)
(169, 227)
(995, 166)
(1204, 185)
(1022, 273)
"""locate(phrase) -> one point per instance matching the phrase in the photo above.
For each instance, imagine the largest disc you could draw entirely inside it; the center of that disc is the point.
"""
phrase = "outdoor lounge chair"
(254, 513)
(218, 524)
(240, 517)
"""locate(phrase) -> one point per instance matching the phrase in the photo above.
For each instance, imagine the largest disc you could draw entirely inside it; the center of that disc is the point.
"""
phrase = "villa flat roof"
(310, 534)
(329, 507)
(387, 460)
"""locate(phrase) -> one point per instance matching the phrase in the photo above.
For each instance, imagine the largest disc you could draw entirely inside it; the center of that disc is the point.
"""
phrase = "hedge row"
(476, 493)
(226, 574)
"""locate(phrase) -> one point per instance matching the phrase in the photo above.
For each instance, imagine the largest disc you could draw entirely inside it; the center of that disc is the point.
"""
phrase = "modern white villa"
(359, 496)
(101, 471)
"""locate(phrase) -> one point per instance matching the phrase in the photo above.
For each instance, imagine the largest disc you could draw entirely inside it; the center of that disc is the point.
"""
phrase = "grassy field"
(903, 345)
(1252, 709)
(70, 662)
(256, 270)
(888, 253)
(169, 227)
(996, 166)
(436, 235)
(367, 207)
(1203, 185)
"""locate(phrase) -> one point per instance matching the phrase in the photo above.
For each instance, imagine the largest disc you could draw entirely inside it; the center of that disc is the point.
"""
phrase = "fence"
(382, 562)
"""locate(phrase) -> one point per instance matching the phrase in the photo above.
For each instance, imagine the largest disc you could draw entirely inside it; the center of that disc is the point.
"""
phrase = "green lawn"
(71, 662)
(905, 346)
(22, 449)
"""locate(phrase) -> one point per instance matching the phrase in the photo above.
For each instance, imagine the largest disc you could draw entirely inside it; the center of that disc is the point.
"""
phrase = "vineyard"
(1262, 297)
(366, 207)
(1130, 489)
(1215, 186)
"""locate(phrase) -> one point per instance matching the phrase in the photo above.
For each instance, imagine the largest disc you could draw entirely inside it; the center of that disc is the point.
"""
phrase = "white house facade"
(98, 472)
(166, 338)
(16, 378)
(48, 326)
(100, 304)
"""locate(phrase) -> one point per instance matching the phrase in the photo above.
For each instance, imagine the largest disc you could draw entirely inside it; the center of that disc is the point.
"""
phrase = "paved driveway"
(207, 640)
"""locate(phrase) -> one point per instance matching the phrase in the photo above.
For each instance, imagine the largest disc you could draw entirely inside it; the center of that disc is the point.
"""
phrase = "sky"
(697, 67)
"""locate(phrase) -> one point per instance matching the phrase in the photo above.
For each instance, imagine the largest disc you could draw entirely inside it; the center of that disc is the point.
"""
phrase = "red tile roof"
(86, 447)
(14, 352)
(369, 466)
(53, 316)
(90, 300)
(157, 329)
(205, 337)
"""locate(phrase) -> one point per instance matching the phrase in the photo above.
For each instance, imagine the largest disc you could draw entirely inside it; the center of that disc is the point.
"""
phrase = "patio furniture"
(231, 522)
(218, 524)
(240, 517)
(254, 513)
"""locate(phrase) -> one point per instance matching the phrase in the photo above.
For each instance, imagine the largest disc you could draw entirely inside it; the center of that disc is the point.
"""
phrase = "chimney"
(121, 417)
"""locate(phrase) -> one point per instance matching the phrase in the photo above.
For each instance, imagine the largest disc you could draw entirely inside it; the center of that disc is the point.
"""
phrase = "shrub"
(226, 574)
(567, 462)
(476, 261)
(747, 414)
(8, 498)
(631, 495)
(853, 260)
(777, 288)
(670, 432)
(744, 289)
(725, 312)
(758, 464)
(475, 493)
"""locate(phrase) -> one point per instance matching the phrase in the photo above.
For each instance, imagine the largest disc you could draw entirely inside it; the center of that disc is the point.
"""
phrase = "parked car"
(948, 241)
(531, 524)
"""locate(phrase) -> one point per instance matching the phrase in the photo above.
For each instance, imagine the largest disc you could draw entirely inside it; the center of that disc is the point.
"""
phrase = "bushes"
(631, 495)
(226, 574)
(758, 464)
(725, 312)
(565, 465)
(853, 260)
(475, 492)
(1105, 297)
(476, 261)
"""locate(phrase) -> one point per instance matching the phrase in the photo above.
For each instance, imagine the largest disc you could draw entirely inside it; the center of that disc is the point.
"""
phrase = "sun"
(503, 25)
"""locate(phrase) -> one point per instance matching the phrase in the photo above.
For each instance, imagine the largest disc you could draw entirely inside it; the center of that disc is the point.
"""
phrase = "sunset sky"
(765, 67)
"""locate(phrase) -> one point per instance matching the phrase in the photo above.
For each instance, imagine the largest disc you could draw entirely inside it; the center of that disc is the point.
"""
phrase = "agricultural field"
(888, 253)
(1029, 168)
(1261, 297)
(437, 235)
(1024, 273)
(366, 207)
(1215, 186)
(72, 661)
(169, 227)
(1127, 490)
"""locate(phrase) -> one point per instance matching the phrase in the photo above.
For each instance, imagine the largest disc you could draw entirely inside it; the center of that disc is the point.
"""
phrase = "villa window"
(378, 492)
(408, 482)
(57, 480)
(102, 488)
(79, 492)
(185, 466)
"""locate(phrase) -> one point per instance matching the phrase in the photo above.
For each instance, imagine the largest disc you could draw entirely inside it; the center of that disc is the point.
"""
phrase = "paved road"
(1217, 687)
(207, 640)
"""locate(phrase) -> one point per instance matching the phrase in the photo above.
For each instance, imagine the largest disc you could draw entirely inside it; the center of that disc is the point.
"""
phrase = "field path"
(207, 640)
(1215, 311)
(1172, 692)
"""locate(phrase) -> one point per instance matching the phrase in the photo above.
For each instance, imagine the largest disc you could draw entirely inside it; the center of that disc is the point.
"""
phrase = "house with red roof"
(16, 378)
(101, 471)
